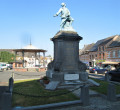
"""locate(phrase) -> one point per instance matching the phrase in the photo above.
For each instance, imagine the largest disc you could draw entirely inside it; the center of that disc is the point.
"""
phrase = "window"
(118, 53)
(103, 55)
(99, 55)
(99, 48)
(108, 54)
(113, 54)
(90, 56)
(103, 48)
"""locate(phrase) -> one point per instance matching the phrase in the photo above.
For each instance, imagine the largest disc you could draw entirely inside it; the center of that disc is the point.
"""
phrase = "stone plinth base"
(66, 76)
(66, 65)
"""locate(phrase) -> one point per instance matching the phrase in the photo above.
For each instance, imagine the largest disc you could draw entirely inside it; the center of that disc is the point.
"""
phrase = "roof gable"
(115, 42)
(101, 42)
(30, 47)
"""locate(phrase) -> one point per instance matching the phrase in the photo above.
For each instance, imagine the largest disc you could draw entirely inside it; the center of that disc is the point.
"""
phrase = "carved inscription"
(71, 76)
(69, 56)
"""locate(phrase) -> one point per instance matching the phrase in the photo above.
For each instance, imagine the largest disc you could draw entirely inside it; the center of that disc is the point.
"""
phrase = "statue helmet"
(63, 4)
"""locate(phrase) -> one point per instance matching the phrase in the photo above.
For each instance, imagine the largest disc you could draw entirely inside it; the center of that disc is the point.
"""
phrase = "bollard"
(13, 75)
(6, 101)
(111, 92)
(107, 77)
(11, 84)
(85, 95)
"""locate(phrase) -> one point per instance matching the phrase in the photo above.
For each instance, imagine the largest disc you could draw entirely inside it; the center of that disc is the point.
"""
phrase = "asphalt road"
(5, 75)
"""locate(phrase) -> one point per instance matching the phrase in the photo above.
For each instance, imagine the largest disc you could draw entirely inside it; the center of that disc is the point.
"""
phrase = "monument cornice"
(67, 35)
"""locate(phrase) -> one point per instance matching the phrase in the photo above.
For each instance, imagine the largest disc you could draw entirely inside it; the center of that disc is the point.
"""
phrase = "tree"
(6, 56)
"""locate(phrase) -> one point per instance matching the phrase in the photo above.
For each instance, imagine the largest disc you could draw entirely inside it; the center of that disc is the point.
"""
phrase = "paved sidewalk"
(96, 103)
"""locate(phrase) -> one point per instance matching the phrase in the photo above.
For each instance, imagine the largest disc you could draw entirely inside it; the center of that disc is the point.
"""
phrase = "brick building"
(84, 53)
(114, 50)
(107, 49)
(93, 53)
(99, 52)
(102, 53)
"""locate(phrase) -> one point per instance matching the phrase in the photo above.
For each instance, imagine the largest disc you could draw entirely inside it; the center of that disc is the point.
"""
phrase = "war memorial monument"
(66, 68)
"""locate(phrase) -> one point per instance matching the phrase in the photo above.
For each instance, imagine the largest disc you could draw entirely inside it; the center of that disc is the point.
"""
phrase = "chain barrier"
(114, 82)
(37, 96)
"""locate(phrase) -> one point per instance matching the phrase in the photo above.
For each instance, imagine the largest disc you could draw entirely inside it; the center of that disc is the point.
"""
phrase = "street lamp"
(94, 62)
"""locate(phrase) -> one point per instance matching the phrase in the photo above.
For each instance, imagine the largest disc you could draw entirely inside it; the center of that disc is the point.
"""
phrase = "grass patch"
(33, 87)
(103, 87)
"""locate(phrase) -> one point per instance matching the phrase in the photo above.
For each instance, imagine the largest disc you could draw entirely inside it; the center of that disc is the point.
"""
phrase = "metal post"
(35, 57)
(23, 58)
(44, 59)
(39, 59)
(13, 75)
(15, 59)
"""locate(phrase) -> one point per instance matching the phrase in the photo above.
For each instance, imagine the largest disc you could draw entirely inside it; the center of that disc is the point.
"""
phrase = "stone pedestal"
(66, 64)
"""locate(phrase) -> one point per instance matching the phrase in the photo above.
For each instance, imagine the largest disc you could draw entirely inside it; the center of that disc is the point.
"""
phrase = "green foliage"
(103, 87)
(99, 61)
(6, 56)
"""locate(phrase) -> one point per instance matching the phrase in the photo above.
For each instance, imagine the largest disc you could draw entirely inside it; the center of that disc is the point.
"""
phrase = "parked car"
(1, 69)
(3, 66)
(109, 68)
(114, 75)
(88, 67)
(9, 66)
(98, 70)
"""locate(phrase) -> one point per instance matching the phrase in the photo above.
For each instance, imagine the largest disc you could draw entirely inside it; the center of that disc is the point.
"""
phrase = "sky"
(22, 20)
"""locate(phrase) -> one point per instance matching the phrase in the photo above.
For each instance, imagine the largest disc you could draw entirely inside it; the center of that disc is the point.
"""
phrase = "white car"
(1, 69)
(3, 66)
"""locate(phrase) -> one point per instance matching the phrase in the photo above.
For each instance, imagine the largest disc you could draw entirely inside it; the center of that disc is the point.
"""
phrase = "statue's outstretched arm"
(55, 15)
(58, 12)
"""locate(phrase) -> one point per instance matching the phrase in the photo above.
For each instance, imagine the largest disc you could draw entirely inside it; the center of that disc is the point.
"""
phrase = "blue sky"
(22, 19)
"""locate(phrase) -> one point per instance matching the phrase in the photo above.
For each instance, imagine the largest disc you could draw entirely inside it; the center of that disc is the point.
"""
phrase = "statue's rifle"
(65, 20)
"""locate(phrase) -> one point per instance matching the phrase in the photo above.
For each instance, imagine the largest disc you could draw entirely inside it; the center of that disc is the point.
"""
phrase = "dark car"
(114, 75)
(98, 70)
(88, 67)
(10, 67)
(109, 68)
